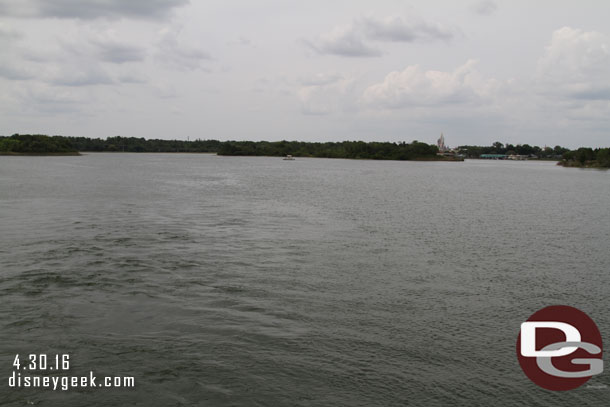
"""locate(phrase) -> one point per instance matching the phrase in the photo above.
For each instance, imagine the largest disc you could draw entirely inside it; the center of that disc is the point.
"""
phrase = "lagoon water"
(247, 281)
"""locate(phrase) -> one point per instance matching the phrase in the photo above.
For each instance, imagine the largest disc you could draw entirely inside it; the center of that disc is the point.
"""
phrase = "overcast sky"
(514, 71)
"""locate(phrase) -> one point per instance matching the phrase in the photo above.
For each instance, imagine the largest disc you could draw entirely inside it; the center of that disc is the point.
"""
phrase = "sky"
(535, 72)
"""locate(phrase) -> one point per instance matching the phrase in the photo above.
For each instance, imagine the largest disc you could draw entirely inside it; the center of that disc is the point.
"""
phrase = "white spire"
(441, 144)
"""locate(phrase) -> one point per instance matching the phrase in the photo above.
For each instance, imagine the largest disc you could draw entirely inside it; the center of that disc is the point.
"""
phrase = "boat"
(288, 158)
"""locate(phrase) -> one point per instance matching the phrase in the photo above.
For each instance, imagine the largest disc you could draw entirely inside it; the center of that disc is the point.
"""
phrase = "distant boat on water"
(288, 158)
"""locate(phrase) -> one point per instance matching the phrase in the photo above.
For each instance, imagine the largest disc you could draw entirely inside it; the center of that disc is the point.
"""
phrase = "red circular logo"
(560, 348)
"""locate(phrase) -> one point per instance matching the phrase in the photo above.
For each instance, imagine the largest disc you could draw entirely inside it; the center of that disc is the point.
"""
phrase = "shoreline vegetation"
(587, 158)
(29, 144)
(344, 149)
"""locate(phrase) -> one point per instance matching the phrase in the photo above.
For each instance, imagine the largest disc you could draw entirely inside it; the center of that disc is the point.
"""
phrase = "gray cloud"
(397, 29)
(132, 78)
(9, 71)
(343, 41)
(86, 73)
(77, 62)
(484, 7)
(97, 59)
(320, 79)
(593, 94)
(118, 53)
(325, 94)
(243, 41)
(353, 40)
(85, 76)
(176, 54)
(37, 98)
(7, 33)
(86, 10)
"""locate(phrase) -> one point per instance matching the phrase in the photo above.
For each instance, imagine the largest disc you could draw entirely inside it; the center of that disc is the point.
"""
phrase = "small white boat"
(288, 158)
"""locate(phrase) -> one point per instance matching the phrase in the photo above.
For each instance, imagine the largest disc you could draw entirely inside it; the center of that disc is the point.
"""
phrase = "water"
(221, 281)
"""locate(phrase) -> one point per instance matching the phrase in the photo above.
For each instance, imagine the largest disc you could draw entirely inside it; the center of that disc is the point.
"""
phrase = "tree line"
(343, 149)
(36, 144)
(25, 143)
(510, 149)
(587, 157)
(42, 144)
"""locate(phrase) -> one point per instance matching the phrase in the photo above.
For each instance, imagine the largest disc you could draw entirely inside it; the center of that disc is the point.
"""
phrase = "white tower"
(441, 144)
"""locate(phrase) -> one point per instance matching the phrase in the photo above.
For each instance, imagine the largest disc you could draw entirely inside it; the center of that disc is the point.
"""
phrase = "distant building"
(441, 144)
(494, 156)
(446, 152)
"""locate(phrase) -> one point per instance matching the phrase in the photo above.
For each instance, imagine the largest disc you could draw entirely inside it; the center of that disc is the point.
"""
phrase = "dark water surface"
(220, 281)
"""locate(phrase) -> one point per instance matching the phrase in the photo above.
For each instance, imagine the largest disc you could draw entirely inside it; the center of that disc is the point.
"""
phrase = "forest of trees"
(344, 149)
(587, 157)
(142, 145)
(40, 144)
(36, 144)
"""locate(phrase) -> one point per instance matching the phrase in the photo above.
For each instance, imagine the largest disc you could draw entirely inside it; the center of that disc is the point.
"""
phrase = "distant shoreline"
(81, 153)
(85, 152)
(16, 154)
(42, 145)
(586, 165)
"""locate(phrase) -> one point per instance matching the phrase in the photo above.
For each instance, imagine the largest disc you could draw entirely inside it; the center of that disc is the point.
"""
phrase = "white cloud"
(576, 64)
(353, 40)
(416, 87)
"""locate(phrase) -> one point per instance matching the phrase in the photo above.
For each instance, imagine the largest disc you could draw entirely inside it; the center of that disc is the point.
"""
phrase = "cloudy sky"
(479, 71)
